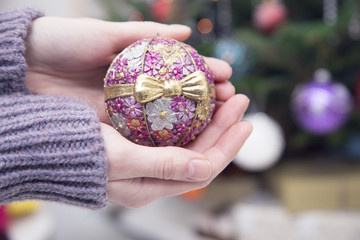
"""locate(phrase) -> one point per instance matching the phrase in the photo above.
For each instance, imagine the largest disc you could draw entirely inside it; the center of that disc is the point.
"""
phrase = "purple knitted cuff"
(51, 149)
(13, 30)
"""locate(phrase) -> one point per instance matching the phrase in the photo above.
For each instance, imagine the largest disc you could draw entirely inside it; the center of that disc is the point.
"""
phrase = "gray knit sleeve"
(13, 29)
(50, 147)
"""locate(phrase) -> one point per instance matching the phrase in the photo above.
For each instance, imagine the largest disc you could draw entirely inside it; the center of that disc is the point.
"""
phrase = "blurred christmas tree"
(274, 57)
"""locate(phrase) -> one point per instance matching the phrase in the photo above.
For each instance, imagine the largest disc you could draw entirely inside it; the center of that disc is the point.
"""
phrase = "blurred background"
(298, 175)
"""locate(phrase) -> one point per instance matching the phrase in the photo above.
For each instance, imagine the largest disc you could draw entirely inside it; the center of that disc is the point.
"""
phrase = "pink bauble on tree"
(269, 15)
(162, 9)
(159, 92)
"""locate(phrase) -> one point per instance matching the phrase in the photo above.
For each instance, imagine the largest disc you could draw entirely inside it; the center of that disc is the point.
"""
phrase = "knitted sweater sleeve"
(50, 147)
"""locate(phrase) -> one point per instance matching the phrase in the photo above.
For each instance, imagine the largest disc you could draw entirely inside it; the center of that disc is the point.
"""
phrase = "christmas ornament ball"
(159, 92)
(269, 15)
(264, 146)
(321, 106)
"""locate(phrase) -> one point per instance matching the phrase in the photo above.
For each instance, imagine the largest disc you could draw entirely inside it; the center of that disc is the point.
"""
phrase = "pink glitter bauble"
(268, 16)
(159, 92)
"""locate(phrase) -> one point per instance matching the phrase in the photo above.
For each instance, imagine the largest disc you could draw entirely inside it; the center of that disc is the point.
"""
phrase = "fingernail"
(199, 170)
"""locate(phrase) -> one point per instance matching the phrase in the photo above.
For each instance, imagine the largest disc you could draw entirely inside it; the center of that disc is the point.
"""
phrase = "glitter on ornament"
(170, 55)
(140, 137)
(135, 55)
(185, 64)
(186, 111)
(136, 124)
(159, 92)
(204, 109)
(119, 122)
(132, 75)
(177, 72)
(132, 108)
(182, 128)
(159, 113)
(164, 73)
(115, 105)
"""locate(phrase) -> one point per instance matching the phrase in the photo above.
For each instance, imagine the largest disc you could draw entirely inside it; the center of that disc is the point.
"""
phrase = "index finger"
(221, 69)
(126, 33)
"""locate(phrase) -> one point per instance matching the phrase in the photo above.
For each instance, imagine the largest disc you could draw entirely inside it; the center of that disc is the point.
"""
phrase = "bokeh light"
(205, 26)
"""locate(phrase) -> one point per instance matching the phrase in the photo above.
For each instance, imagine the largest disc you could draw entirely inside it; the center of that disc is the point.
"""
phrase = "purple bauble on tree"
(321, 106)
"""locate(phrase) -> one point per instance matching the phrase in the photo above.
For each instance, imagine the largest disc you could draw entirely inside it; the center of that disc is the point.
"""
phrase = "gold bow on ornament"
(147, 88)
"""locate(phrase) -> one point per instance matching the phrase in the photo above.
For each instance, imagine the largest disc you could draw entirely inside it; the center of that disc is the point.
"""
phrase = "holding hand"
(69, 57)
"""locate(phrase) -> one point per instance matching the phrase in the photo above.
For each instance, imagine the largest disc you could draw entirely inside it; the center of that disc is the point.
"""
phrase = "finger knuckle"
(169, 168)
(165, 168)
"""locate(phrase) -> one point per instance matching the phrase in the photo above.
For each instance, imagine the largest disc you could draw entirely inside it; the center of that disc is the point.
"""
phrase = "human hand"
(70, 57)
(139, 175)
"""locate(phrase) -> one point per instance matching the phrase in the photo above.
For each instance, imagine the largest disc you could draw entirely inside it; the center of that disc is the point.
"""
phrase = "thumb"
(128, 160)
(169, 163)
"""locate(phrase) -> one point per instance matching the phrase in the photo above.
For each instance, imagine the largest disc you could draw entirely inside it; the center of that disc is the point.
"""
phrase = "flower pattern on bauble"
(120, 124)
(163, 121)
(136, 124)
(115, 106)
(177, 73)
(185, 108)
(185, 64)
(135, 54)
(132, 108)
(163, 41)
(163, 135)
(121, 65)
(180, 129)
(204, 109)
(170, 55)
(164, 73)
(177, 102)
(140, 137)
(111, 78)
(160, 115)
(132, 75)
(153, 63)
